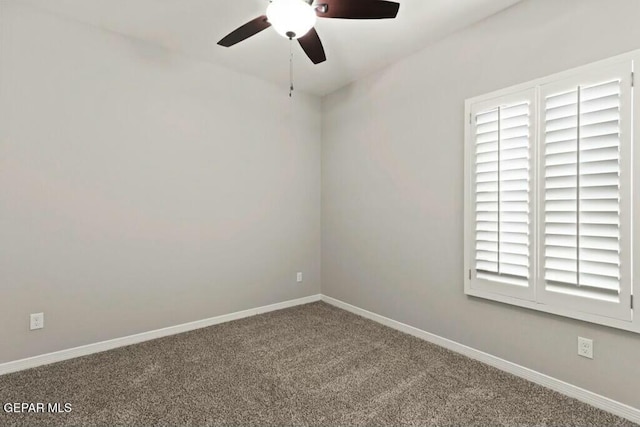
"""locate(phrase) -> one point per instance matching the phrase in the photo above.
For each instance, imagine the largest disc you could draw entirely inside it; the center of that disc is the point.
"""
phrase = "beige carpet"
(308, 365)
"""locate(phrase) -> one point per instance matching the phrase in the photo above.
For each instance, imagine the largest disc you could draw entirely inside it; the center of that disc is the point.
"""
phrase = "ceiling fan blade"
(312, 46)
(357, 9)
(249, 29)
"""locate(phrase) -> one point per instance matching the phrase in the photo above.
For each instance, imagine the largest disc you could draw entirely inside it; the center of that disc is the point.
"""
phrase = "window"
(548, 197)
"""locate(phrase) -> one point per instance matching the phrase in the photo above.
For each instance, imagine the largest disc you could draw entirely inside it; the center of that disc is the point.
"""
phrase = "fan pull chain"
(290, 66)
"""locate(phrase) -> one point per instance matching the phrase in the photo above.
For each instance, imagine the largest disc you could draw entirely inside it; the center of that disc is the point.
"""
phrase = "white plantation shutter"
(502, 163)
(549, 198)
(584, 131)
(582, 188)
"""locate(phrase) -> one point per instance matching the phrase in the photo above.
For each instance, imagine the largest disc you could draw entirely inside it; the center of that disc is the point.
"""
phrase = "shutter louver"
(502, 199)
(582, 191)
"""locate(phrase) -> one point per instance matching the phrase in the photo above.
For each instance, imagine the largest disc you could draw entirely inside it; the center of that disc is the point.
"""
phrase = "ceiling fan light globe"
(291, 18)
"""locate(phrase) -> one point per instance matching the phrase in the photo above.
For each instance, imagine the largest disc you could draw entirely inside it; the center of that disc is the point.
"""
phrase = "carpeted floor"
(308, 365)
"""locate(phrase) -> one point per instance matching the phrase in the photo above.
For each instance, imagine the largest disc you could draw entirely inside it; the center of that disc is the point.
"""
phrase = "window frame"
(555, 306)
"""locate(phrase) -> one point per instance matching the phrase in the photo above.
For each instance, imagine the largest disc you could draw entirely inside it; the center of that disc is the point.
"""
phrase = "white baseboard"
(586, 396)
(58, 356)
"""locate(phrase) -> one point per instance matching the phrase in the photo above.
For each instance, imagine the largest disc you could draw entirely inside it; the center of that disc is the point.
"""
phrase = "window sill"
(632, 326)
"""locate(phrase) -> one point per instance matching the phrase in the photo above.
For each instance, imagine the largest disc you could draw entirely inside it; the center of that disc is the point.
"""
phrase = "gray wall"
(140, 189)
(392, 187)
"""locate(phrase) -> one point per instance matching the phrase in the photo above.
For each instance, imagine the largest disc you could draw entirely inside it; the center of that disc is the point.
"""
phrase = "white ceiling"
(354, 48)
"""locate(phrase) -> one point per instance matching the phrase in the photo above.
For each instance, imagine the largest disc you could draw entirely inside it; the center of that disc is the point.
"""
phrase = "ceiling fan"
(295, 19)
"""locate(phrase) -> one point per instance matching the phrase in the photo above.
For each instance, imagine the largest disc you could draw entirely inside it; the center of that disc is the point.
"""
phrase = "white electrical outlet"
(585, 347)
(299, 277)
(37, 321)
